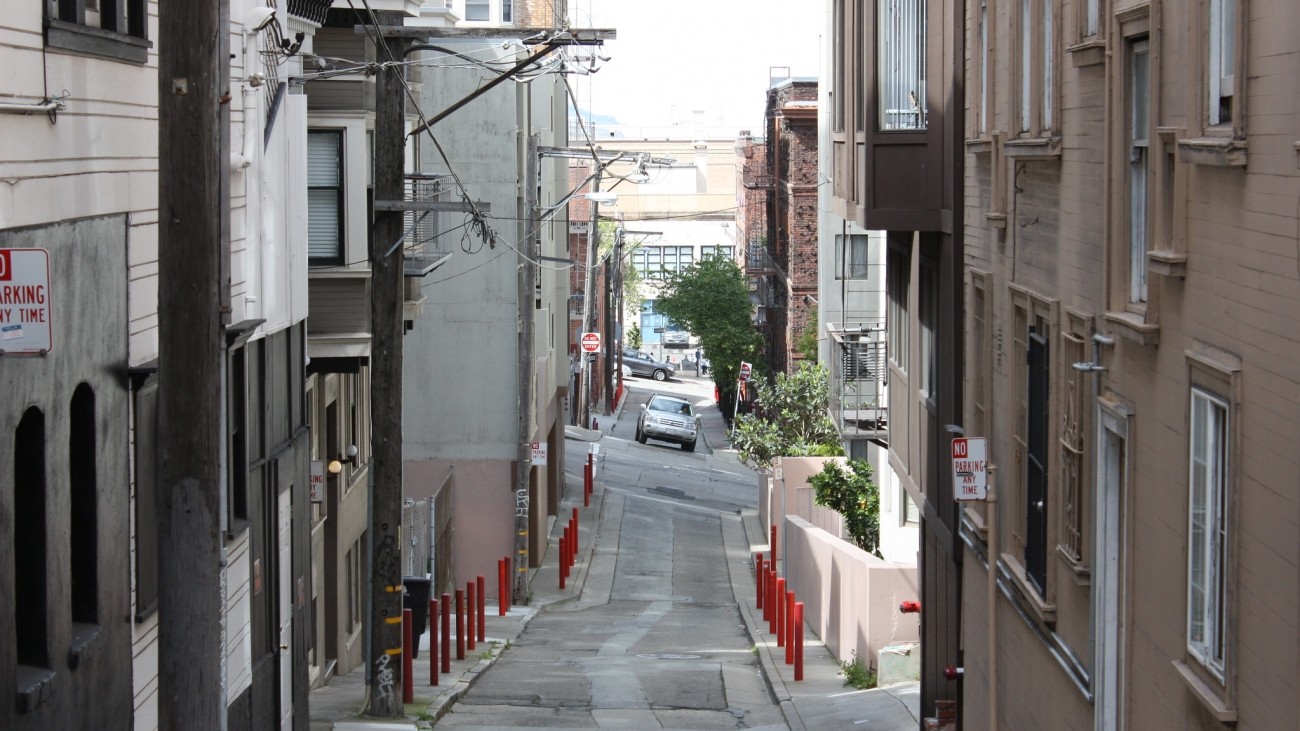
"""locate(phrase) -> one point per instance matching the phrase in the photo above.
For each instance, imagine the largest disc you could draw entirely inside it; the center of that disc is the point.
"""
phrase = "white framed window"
(325, 197)
(1207, 530)
(478, 10)
(852, 259)
(507, 11)
(901, 48)
(1139, 144)
(1221, 66)
(1036, 74)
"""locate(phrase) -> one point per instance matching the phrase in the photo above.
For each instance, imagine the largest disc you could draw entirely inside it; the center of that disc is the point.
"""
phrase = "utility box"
(416, 599)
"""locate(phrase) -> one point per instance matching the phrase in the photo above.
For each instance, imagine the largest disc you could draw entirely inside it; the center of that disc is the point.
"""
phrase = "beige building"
(1131, 178)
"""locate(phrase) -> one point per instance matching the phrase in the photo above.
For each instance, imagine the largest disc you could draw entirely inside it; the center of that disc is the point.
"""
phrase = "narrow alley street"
(655, 639)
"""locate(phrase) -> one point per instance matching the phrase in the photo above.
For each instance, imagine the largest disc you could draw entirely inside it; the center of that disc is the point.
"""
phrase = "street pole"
(608, 371)
(193, 309)
(528, 256)
(589, 294)
(386, 292)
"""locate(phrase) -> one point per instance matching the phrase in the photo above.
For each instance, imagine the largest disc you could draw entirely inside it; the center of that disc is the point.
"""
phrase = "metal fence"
(859, 376)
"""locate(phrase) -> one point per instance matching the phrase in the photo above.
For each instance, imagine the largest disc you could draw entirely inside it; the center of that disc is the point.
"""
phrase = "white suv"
(669, 419)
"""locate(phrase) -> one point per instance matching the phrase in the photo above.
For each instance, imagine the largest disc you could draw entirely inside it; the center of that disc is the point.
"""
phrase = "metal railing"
(858, 379)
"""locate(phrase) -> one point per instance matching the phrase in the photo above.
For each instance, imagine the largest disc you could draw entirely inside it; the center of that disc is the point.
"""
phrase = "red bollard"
(790, 628)
(408, 657)
(460, 624)
(758, 578)
(780, 612)
(798, 650)
(471, 604)
(446, 633)
(773, 546)
(502, 587)
(510, 581)
(771, 601)
(564, 549)
(575, 531)
(482, 608)
(433, 641)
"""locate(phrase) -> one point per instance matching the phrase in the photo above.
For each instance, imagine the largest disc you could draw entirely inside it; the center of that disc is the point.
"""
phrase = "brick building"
(781, 246)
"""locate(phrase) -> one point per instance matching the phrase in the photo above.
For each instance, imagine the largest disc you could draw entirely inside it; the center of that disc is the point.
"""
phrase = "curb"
(444, 701)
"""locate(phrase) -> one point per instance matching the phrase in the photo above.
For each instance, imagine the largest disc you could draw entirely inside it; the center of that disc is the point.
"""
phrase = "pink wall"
(850, 597)
(484, 508)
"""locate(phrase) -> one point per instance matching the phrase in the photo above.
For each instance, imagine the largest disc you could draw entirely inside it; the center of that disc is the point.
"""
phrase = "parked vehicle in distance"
(668, 419)
(643, 365)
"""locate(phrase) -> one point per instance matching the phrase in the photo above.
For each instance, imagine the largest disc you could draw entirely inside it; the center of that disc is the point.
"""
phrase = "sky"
(673, 57)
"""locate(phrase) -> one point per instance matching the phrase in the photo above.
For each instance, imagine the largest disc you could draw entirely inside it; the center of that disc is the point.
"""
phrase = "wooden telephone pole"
(193, 286)
(386, 293)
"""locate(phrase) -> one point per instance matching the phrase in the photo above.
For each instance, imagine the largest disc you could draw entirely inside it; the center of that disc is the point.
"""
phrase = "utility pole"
(193, 286)
(386, 332)
(527, 273)
(611, 262)
(589, 294)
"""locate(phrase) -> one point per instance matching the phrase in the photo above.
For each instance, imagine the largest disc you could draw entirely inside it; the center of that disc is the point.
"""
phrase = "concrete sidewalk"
(339, 705)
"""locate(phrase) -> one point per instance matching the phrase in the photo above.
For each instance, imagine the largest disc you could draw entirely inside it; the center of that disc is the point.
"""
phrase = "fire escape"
(858, 377)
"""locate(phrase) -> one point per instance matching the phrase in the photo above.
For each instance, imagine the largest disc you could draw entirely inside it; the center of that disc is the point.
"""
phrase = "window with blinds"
(325, 197)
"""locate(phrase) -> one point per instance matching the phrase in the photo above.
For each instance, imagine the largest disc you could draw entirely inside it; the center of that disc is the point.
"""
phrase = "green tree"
(710, 298)
(790, 421)
(634, 337)
(807, 342)
(853, 495)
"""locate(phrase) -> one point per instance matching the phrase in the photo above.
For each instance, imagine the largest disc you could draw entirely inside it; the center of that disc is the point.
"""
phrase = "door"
(1036, 491)
(1108, 615)
(285, 599)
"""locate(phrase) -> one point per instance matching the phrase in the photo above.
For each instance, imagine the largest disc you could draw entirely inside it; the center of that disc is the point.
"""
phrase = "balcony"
(858, 372)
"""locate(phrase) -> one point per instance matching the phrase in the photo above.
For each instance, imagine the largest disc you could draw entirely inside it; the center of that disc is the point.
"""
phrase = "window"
(911, 514)
(84, 497)
(1207, 530)
(325, 197)
(901, 51)
(982, 117)
(1071, 443)
(237, 413)
(928, 318)
(354, 575)
(851, 256)
(507, 11)
(727, 252)
(31, 623)
(1037, 67)
(112, 29)
(978, 364)
(839, 92)
(1091, 18)
(477, 10)
(1222, 62)
(899, 272)
(1036, 507)
(657, 261)
(1138, 135)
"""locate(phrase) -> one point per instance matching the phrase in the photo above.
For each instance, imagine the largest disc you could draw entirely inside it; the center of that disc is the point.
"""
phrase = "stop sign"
(744, 371)
(591, 342)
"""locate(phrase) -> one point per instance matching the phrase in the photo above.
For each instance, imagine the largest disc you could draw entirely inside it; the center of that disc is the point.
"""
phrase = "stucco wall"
(484, 506)
(850, 597)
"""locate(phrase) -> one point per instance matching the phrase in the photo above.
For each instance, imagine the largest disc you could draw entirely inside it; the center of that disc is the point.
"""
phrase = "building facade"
(895, 166)
(1130, 278)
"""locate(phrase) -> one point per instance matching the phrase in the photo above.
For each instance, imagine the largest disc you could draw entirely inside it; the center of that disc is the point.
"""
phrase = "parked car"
(643, 365)
(668, 419)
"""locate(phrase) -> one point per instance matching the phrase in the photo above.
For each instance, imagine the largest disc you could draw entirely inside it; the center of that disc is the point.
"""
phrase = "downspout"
(991, 547)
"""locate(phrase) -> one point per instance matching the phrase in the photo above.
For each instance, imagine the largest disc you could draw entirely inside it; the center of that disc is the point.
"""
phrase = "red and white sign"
(539, 450)
(591, 342)
(969, 469)
(25, 301)
(317, 484)
(745, 369)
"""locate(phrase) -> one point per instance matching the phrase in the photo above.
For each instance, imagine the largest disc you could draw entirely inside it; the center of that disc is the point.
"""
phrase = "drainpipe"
(49, 105)
(991, 500)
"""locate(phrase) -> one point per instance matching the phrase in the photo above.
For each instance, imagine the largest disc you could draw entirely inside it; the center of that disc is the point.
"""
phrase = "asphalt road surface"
(655, 640)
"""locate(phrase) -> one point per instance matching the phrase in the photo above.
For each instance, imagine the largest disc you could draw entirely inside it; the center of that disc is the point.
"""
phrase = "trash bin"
(416, 599)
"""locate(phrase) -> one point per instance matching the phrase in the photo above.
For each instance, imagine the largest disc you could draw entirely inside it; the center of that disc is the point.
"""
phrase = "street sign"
(969, 468)
(661, 330)
(25, 319)
(745, 368)
(539, 453)
(316, 491)
(591, 342)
